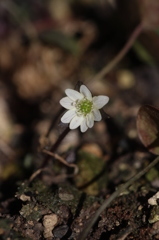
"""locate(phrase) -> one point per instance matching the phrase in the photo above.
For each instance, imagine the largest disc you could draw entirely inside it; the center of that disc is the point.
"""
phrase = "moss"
(154, 215)
(46, 198)
(92, 176)
(152, 174)
(32, 211)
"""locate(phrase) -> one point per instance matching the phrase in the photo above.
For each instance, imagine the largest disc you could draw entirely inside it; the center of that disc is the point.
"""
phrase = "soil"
(47, 47)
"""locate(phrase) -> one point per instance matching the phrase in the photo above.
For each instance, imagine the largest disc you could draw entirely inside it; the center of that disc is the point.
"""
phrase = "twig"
(55, 146)
(36, 173)
(62, 160)
(120, 55)
(107, 202)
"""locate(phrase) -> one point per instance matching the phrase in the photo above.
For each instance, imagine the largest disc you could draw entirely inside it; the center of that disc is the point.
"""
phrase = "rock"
(49, 222)
(60, 231)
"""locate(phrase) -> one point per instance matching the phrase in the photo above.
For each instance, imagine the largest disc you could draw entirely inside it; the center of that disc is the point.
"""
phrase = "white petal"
(85, 91)
(75, 122)
(67, 117)
(83, 126)
(97, 115)
(100, 101)
(73, 94)
(90, 120)
(66, 102)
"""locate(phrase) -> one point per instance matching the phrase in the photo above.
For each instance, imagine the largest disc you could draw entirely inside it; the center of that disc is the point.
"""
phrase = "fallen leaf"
(148, 127)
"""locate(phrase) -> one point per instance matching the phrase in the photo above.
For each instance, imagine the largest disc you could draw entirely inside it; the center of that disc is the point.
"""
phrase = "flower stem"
(120, 55)
(54, 121)
(119, 190)
(61, 137)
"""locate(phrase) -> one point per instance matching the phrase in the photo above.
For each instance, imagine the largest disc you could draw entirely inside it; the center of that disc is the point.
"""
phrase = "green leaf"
(143, 54)
(56, 37)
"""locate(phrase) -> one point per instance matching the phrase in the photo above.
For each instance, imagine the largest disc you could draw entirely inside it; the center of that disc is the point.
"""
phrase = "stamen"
(84, 107)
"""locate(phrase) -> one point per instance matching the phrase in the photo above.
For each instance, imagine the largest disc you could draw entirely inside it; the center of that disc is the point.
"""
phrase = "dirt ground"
(45, 48)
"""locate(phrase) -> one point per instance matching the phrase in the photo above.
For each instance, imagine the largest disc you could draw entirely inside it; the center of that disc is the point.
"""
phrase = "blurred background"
(47, 46)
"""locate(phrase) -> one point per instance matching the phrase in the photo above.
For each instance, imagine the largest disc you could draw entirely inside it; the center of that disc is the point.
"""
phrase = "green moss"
(92, 176)
(32, 211)
(154, 215)
(46, 198)
(152, 174)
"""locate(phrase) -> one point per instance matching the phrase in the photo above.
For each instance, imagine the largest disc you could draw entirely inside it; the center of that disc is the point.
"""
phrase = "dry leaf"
(148, 127)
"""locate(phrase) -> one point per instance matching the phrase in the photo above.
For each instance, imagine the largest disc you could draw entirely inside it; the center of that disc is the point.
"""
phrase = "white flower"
(83, 109)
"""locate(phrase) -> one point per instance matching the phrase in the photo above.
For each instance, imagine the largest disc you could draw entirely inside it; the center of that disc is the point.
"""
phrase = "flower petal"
(97, 115)
(90, 120)
(73, 94)
(85, 91)
(66, 102)
(100, 101)
(75, 122)
(83, 126)
(67, 117)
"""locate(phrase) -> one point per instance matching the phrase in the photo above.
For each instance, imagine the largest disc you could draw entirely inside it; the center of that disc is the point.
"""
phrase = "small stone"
(126, 79)
(60, 231)
(24, 198)
(49, 222)
(153, 200)
(66, 196)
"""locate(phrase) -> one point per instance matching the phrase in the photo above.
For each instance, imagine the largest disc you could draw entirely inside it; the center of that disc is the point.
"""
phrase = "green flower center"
(84, 106)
